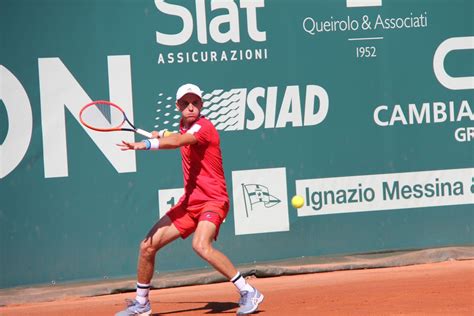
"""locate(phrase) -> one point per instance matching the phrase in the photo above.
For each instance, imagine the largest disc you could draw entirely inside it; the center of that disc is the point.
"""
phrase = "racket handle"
(143, 133)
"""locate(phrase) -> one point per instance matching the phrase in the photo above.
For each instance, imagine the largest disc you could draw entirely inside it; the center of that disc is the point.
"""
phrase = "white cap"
(188, 88)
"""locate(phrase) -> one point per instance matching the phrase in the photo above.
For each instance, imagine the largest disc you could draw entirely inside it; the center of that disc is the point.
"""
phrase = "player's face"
(190, 106)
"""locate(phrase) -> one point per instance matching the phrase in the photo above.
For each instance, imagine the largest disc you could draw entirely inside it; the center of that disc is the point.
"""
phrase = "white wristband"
(154, 143)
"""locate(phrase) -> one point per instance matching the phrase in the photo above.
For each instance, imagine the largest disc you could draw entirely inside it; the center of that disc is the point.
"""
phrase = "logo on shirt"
(260, 201)
(194, 129)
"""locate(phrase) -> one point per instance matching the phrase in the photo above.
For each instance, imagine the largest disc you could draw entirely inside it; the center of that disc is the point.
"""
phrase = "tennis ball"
(297, 201)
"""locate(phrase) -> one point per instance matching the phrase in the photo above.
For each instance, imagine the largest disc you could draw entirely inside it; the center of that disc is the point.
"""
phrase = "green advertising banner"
(361, 107)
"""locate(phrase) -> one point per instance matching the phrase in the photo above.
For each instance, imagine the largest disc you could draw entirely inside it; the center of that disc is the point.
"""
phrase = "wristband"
(147, 144)
(154, 143)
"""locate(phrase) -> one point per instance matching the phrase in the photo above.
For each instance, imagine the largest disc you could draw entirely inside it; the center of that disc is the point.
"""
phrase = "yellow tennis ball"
(297, 201)
(167, 133)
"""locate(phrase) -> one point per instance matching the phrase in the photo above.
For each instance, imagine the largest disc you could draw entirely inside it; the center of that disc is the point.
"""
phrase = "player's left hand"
(131, 146)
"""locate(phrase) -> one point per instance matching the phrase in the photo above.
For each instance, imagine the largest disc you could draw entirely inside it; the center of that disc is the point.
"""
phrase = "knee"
(147, 249)
(203, 249)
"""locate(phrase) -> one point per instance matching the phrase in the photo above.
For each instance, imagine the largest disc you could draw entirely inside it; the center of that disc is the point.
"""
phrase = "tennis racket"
(105, 116)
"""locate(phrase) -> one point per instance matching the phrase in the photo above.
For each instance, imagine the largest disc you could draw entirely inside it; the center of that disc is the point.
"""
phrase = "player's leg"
(161, 234)
(207, 229)
(202, 245)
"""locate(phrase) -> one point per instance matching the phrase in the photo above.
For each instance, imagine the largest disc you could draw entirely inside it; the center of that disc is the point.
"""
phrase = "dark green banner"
(362, 107)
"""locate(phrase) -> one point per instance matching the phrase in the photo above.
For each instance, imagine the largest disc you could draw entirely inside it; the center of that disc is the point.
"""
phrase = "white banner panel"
(386, 191)
(168, 198)
(260, 201)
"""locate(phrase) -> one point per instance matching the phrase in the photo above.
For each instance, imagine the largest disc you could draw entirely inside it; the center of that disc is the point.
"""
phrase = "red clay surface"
(445, 288)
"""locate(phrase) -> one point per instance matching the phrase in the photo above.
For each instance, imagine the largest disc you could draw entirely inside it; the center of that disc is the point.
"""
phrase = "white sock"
(142, 293)
(241, 284)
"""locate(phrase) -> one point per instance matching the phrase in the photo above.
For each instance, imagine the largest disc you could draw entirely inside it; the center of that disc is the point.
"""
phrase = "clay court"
(445, 288)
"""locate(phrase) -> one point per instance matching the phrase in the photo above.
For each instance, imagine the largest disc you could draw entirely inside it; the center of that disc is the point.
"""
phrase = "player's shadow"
(208, 308)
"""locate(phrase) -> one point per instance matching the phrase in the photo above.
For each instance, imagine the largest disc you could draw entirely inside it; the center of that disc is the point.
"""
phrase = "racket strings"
(106, 111)
(102, 116)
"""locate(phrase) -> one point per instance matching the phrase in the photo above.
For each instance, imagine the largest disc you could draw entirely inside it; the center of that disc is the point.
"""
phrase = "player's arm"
(172, 140)
(176, 140)
(166, 140)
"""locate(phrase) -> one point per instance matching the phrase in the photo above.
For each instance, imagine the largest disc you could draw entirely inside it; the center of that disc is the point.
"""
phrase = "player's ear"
(177, 106)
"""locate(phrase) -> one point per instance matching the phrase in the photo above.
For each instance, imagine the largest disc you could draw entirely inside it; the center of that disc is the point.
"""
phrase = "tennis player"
(200, 210)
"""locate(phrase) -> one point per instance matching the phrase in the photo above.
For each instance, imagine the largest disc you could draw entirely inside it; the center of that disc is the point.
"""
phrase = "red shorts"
(187, 217)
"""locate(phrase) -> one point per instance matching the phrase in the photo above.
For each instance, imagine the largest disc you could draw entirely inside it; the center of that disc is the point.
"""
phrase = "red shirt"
(203, 173)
